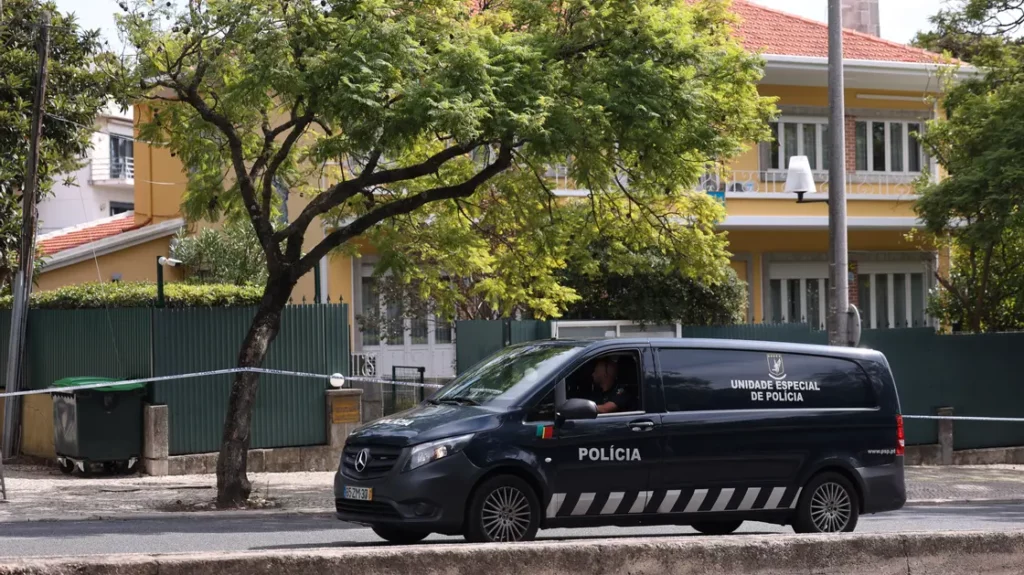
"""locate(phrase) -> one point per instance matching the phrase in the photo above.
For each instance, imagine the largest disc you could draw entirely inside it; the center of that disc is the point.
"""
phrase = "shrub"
(124, 295)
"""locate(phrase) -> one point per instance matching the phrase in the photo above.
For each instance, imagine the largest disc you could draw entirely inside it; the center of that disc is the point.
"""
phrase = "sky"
(901, 19)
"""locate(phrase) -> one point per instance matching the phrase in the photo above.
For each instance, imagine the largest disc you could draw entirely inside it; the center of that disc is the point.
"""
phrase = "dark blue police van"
(705, 433)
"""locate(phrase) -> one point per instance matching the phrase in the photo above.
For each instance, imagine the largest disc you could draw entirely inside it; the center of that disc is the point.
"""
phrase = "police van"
(704, 433)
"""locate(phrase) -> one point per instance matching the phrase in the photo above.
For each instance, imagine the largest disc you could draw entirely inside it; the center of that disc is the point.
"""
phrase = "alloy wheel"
(506, 514)
(831, 508)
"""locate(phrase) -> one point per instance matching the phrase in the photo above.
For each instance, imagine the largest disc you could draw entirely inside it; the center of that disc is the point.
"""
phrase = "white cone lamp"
(800, 179)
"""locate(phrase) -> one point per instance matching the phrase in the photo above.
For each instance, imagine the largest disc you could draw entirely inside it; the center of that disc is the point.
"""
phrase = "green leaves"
(977, 210)
(229, 256)
(120, 295)
(76, 91)
(427, 128)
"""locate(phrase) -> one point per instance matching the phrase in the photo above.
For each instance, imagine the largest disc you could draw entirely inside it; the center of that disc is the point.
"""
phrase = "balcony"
(113, 171)
(770, 184)
(859, 185)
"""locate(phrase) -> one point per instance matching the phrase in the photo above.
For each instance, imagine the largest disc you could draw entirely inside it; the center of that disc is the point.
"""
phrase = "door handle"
(641, 426)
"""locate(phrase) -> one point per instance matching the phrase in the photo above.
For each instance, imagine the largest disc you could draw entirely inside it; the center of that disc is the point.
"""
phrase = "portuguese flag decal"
(545, 431)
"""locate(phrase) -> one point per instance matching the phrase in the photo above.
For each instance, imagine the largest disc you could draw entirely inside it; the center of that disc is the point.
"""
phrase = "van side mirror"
(577, 409)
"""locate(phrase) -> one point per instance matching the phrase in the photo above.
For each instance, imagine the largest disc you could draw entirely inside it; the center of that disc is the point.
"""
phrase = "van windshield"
(507, 376)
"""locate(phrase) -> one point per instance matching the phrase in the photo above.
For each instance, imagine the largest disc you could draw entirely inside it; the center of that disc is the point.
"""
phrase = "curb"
(966, 553)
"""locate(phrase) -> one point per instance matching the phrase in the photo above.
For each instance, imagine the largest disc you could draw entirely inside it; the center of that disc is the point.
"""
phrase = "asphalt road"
(182, 534)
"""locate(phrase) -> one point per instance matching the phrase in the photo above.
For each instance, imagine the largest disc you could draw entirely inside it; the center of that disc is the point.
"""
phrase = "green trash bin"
(99, 426)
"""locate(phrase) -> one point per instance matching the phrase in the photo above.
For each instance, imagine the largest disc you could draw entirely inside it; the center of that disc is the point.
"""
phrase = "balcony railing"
(113, 169)
(774, 182)
(771, 182)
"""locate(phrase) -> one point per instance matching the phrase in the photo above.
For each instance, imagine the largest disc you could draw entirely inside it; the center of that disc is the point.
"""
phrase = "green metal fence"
(288, 411)
(789, 332)
(93, 342)
(139, 342)
(976, 375)
(476, 340)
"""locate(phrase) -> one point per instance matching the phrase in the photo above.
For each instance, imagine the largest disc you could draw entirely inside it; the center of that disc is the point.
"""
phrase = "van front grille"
(379, 460)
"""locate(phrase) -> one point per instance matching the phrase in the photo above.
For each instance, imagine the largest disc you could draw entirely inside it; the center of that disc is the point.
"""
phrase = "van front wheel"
(503, 509)
(829, 504)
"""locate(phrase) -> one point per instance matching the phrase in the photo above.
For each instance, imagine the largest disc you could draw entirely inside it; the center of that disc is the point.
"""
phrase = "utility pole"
(26, 261)
(839, 286)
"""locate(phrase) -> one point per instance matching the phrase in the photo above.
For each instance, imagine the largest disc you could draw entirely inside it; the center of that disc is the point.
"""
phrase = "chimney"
(862, 16)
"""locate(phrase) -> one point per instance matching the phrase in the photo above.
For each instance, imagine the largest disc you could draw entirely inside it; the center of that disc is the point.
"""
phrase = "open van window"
(508, 376)
(619, 372)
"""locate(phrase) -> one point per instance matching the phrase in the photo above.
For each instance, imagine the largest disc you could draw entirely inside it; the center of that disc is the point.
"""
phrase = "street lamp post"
(162, 261)
(842, 319)
(839, 268)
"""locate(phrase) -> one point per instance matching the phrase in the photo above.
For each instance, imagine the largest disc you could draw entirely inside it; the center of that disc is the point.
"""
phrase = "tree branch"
(403, 206)
(298, 127)
(342, 191)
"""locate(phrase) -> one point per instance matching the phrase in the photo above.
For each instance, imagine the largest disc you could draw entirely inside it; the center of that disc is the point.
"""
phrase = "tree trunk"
(233, 485)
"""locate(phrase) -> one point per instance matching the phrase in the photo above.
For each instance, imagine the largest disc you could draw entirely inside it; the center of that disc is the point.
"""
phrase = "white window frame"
(363, 268)
(891, 270)
(780, 136)
(804, 272)
(870, 168)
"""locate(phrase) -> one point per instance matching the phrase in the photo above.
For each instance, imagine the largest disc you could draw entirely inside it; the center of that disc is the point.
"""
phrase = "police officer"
(609, 395)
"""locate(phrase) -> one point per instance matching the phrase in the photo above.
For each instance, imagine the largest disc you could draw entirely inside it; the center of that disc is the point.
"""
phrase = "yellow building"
(779, 246)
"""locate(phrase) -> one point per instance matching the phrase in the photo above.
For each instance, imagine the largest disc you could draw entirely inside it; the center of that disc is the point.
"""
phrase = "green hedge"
(122, 295)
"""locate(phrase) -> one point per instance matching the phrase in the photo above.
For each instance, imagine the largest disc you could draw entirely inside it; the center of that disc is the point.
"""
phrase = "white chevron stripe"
(556, 503)
(641, 501)
(749, 498)
(669, 502)
(583, 505)
(796, 498)
(614, 500)
(695, 502)
(723, 499)
(776, 497)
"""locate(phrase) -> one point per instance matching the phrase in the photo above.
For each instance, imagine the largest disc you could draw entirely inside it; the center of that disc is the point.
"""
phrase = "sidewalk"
(44, 494)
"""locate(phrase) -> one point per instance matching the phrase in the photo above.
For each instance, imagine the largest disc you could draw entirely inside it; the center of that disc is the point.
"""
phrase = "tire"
(717, 527)
(828, 504)
(503, 509)
(399, 536)
(67, 468)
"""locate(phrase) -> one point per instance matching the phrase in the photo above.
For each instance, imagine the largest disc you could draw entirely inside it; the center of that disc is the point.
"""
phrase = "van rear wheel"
(503, 509)
(717, 527)
(398, 535)
(828, 504)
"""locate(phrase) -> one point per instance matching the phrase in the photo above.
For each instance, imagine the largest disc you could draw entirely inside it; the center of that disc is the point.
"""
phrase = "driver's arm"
(620, 399)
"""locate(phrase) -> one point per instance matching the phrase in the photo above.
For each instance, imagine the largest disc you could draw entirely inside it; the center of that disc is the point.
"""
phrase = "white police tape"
(336, 380)
(965, 418)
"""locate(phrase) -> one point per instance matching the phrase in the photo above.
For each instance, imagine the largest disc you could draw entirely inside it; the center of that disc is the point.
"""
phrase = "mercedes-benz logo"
(362, 460)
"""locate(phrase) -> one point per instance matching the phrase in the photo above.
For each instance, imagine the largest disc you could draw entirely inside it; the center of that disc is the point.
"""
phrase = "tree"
(976, 209)
(76, 92)
(960, 301)
(231, 255)
(655, 292)
(411, 109)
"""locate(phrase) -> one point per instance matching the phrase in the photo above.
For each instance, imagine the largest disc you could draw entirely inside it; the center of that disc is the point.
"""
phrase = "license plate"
(358, 493)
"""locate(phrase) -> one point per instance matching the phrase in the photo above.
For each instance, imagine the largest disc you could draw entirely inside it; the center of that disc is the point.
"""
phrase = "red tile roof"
(772, 31)
(68, 238)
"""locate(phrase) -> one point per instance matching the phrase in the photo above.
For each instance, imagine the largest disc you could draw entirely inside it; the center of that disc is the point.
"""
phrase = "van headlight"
(424, 454)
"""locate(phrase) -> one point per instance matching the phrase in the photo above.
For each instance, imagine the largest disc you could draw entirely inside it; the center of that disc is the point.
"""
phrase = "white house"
(104, 185)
